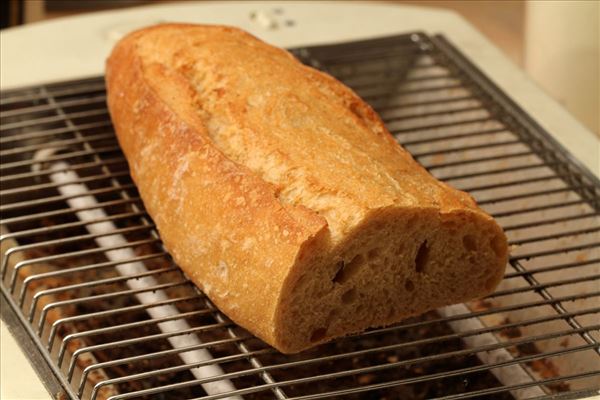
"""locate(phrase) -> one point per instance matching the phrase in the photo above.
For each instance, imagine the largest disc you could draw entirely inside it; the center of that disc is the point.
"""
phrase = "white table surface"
(76, 47)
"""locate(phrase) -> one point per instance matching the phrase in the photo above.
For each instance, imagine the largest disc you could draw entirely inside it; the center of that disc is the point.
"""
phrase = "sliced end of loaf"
(400, 263)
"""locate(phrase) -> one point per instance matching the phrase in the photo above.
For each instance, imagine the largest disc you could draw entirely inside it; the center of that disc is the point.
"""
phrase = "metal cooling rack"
(88, 337)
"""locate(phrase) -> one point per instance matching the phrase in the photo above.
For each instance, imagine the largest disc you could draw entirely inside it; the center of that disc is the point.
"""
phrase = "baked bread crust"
(282, 195)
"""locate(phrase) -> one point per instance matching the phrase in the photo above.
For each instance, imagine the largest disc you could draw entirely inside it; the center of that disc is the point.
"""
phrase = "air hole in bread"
(409, 285)
(498, 245)
(339, 272)
(349, 296)
(469, 243)
(318, 334)
(348, 270)
(422, 257)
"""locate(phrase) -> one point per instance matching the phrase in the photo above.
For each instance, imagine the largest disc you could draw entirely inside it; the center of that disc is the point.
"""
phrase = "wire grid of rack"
(89, 337)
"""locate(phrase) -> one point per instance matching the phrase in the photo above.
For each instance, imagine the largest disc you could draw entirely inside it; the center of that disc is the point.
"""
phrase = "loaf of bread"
(281, 194)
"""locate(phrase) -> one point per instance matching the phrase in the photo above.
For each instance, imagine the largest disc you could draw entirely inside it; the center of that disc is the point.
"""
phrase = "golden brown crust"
(255, 168)
(237, 212)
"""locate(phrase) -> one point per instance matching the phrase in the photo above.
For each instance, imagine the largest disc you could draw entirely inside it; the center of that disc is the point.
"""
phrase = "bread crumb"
(545, 368)
(366, 379)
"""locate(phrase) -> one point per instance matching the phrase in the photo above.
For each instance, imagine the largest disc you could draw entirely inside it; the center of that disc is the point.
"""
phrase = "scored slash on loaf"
(282, 195)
